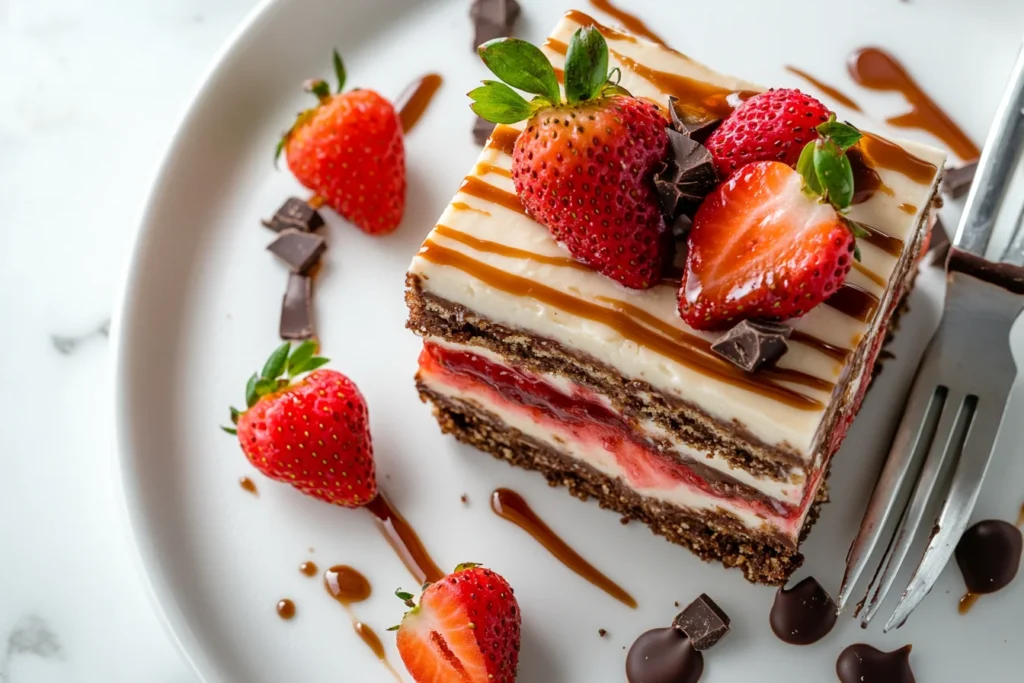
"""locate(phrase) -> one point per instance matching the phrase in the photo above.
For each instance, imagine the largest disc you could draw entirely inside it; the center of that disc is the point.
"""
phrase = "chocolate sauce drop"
(309, 568)
(285, 609)
(346, 585)
(989, 555)
(509, 505)
(803, 614)
(663, 655)
(404, 541)
(248, 485)
(862, 663)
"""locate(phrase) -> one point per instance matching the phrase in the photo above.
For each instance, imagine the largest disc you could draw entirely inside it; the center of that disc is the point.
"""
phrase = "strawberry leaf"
(843, 134)
(466, 565)
(521, 65)
(403, 595)
(805, 167)
(275, 364)
(279, 148)
(230, 430)
(857, 229)
(498, 103)
(250, 391)
(394, 628)
(834, 173)
(339, 70)
(586, 65)
(300, 355)
(235, 414)
(312, 364)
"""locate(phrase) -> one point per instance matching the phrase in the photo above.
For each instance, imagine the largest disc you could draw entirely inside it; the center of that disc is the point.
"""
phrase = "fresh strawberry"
(348, 150)
(771, 126)
(312, 433)
(583, 167)
(771, 242)
(464, 630)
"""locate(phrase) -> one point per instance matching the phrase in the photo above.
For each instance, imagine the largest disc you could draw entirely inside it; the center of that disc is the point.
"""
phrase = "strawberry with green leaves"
(773, 241)
(584, 165)
(308, 427)
(465, 629)
(348, 149)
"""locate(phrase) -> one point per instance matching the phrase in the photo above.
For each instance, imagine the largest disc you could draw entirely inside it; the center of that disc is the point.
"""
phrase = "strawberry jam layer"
(582, 416)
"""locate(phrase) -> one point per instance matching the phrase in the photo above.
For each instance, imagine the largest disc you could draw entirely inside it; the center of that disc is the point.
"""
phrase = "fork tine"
(956, 511)
(946, 437)
(890, 481)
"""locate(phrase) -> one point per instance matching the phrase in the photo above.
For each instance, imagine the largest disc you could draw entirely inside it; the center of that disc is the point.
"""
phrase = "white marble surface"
(90, 92)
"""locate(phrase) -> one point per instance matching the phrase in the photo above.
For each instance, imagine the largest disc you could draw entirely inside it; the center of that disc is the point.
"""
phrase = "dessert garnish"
(698, 131)
(248, 486)
(584, 166)
(862, 663)
(299, 250)
(751, 344)
(685, 178)
(465, 629)
(803, 614)
(297, 309)
(772, 241)
(348, 585)
(703, 622)
(492, 19)
(509, 505)
(348, 150)
(482, 129)
(297, 214)
(308, 427)
(414, 99)
(285, 609)
(958, 180)
(309, 568)
(988, 555)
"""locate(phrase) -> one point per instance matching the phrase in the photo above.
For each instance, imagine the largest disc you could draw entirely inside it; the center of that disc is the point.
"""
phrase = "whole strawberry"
(772, 126)
(772, 242)
(312, 433)
(583, 167)
(348, 150)
(464, 630)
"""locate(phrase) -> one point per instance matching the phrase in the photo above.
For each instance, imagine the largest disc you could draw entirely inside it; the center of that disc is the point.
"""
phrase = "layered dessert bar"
(536, 355)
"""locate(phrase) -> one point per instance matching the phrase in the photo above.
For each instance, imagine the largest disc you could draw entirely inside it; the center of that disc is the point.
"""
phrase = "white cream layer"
(766, 419)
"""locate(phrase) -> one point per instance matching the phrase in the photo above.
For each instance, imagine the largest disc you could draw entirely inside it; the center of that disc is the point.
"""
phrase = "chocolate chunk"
(663, 655)
(753, 343)
(482, 129)
(862, 663)
(681, 227)
(703, 622)
(297, 309)
(492, 19)
(685, 178)
(989, 555)
(699, 131)
(803, 614)
(300, 250)
(957, 181)
(295, 213)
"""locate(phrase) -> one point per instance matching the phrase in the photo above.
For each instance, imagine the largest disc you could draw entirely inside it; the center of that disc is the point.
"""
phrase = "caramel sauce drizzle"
(855, 302)
(829, 90)
(876, 69)
(510, 252)
(463, 206)
(908, 209)
(484, 168)
(871, 275)
(631, 22)
(509, 505)
(837, 352)
(475, 187)
(674, 348)
(583, 19)
(403, 540)
(414, 100)
(887, 243)
(504, 138)
(881, 153)
(866, 181)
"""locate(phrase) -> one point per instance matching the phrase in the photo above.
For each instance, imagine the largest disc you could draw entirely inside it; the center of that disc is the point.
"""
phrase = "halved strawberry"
(465, 629)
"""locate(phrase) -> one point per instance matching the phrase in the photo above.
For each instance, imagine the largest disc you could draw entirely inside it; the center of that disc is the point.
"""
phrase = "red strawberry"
(761, 247)
(348, 150)
(465, 629)
(772, 126)
(584, 167)
(313, 433)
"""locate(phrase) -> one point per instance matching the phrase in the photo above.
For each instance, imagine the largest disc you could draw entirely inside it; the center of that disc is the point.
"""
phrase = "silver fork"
(959, 395)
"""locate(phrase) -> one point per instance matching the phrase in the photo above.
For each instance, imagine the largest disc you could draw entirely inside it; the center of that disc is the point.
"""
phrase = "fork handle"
(995, 167)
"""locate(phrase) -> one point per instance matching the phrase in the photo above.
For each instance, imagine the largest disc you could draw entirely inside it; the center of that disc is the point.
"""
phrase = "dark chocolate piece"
(685, 178)
(681, 227)
(989, 555)
(703, 622)
(957, 181)
(295, 213)
(803, 614)
(752, 343)
(300, 250)
(482, 129)
(663, 655)
(698, 131)
(938, 244)
(862, 663)
(492, 19)
(297, 309)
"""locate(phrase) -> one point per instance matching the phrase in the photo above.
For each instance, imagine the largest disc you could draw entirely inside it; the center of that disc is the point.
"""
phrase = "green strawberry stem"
(285, 364)
(523, 66)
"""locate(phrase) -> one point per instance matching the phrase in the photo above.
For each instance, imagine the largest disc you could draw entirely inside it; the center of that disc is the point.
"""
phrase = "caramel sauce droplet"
(404, 541)
(248, 485)
(285, 609)
(414, 100)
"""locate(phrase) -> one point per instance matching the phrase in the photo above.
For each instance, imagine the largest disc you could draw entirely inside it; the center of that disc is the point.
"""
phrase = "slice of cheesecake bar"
(534, 356)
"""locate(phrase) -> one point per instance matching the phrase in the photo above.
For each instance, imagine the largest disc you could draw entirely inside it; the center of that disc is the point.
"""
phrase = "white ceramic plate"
(200, 313)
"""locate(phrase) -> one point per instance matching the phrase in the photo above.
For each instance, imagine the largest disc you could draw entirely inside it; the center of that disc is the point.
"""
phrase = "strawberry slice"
(465, 630)
(762, 246)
